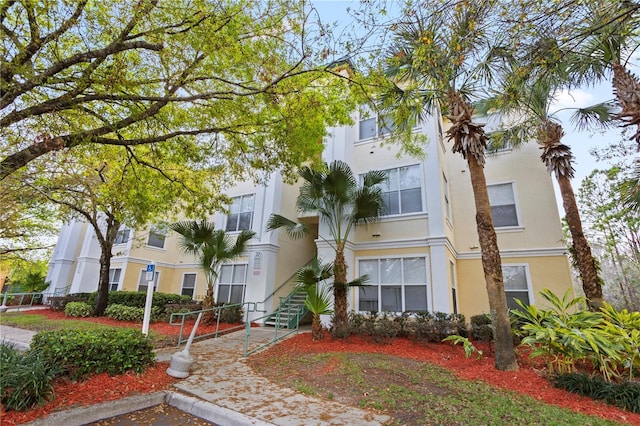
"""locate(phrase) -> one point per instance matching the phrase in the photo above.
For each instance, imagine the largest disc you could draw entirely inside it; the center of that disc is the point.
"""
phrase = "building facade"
(423, 254)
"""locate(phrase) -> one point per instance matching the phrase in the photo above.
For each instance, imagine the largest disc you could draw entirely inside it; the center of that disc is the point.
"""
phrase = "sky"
(581, 142)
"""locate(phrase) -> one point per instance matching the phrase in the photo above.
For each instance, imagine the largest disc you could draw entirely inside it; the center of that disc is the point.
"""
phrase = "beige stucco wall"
(550, 272)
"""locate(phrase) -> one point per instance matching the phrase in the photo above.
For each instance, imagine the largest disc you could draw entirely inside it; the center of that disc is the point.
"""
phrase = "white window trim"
(195, 283)
(164, 244)
(119, 283)
(378, 136)
(448, 211)
(454, 285)
(527, 273)
(253, 213)
(423, 196)
(429, 290)
(156, 283)
(514, 189)
(122, 229)
(244, 284)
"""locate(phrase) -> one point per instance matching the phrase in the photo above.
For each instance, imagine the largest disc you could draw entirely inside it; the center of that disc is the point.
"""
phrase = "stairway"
(290, 311)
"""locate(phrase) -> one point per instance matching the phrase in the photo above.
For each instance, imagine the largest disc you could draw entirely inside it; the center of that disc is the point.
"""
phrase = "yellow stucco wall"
(550, 272)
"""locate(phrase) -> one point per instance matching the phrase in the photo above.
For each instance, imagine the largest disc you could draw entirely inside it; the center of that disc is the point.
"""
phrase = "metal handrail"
(276, 337)
(217, 332)
(5, 299)
(287, 281)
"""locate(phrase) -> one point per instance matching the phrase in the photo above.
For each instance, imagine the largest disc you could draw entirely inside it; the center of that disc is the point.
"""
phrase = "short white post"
(149, 301)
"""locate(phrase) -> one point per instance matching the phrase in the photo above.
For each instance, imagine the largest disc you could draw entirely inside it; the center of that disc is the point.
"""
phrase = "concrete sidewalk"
(224, 390)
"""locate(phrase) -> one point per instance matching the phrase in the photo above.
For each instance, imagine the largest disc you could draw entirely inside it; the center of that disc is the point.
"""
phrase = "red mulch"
(527, 380)
(99, 388)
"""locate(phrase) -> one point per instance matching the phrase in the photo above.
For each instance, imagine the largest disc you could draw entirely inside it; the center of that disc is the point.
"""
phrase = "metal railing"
(214, 311)
(9, 298)
(274, 292)
(294, 316)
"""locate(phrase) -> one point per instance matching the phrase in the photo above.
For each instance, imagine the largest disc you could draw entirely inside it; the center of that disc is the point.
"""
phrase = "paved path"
(223, 384)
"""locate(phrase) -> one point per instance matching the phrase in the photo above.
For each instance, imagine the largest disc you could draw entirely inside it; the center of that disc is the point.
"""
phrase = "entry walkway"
(222, 384)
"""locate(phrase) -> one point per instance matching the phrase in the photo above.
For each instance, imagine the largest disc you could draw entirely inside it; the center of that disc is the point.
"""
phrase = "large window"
(231, 283)
(516, 284)
(395, 285)
(143, 283)
(114, 278)
(503, 205)
(122, 237)
(402, 190)
(188, 284)
(373, 125)
(241, 213)
(156, 239)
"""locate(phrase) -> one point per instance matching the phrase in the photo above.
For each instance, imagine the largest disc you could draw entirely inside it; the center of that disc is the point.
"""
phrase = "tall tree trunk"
(340, 326)
(106, 246)
(492, 267)
(316, 328)
(591, 283)
(627, 90)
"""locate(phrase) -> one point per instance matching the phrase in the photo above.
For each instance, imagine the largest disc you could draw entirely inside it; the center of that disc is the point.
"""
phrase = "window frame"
(123, 236)
(156, 282)
(514, 194)
(447, 198)
(527, 277)
(111, 278)
(232, 284)
(402, 283)
(399, 190)
(454, 286)
(193, 289)
(156, 232)
(237, 227)
(382, 129)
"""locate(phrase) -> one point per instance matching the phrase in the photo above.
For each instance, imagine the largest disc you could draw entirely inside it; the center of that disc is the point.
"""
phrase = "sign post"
(151, 275)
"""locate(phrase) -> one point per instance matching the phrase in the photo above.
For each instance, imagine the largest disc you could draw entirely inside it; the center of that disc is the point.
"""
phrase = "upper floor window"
(402, 191)
(447, 202)
(188, 284)
(122, 237)
(156, 239)
(503, 205)
(395, 285)
(498, 142)
(516, 285)
(241, 213)
(373, 125)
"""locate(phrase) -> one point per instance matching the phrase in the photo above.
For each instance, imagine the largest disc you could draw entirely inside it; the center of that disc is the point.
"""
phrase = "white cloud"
(576, 98)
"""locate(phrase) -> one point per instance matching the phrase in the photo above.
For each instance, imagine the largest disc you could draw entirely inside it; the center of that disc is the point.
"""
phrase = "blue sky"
(581, 142)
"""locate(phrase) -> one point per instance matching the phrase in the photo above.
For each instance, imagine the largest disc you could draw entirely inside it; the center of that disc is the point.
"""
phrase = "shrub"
(435, 327)
(625, 395)
(78, 309)
(25, 380)
(79, 353)
(130, 313)
(180, 308)
(231, 314)
(481, 328)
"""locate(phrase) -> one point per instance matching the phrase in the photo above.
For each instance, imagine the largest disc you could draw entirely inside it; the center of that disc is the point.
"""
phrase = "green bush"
(78, 309)
(79, 353)
(481, 328)
(25, 380)
(175, 308)
(435, 327)
(130, 313)
(625, 395)
(137, 299)
(232, 314)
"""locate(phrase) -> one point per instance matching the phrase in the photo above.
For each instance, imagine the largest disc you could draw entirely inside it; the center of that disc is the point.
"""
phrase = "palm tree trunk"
(591, 283)
(627, 90)
(316, 328)
(492, 266)
(340, 319)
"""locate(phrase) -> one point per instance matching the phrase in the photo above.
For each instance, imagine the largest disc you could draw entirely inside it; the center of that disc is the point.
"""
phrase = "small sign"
(150, 271)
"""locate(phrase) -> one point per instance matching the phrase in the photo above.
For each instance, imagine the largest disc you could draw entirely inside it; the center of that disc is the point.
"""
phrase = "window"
(503, 205)
(156, 239)
(373, 125)
(454, 287)
(395, 285)
(515, 284)
(114, 278)
(188, 284)
(241, 213)
(402, 191)
(143, 283)
(447, 204)
(122, 237)
(232, 283)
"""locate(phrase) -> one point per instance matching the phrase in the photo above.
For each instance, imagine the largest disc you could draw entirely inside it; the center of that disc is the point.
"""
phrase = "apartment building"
(422, 255)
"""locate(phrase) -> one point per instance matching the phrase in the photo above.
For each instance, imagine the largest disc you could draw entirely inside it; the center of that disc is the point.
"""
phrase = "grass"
(413, 392)
(37, 322)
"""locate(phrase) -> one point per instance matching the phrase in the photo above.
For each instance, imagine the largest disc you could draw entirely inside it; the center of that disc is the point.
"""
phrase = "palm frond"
(313, 273)
(595, 116)
(293, 229)
(361, 281)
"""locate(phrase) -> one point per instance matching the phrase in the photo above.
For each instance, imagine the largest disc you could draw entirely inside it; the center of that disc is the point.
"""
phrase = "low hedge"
(625, 395)
(78, 309)
(130, 313)
(79, 353)
(136, 299)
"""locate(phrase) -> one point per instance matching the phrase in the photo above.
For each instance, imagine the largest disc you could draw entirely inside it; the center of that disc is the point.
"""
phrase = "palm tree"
(211, 247)
(529, 93)
(435, 60)
(318, 300)
(333, 193)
